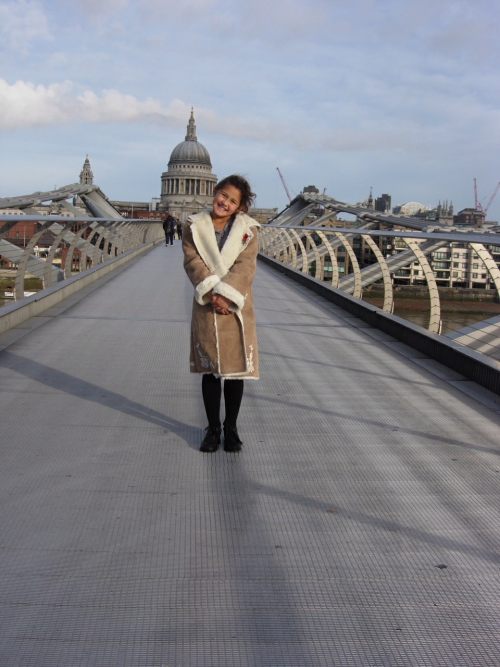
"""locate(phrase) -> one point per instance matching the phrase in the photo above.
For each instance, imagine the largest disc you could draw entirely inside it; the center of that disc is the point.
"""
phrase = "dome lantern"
(191, 128)
(190, 151)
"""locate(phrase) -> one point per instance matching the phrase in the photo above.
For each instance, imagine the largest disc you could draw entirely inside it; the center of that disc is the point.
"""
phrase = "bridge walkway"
(360, 525)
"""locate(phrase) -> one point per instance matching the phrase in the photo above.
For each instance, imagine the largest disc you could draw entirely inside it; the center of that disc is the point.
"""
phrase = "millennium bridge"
(360, 525)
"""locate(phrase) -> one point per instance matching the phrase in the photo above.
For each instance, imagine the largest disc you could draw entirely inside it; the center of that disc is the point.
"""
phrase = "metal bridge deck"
(359, 526)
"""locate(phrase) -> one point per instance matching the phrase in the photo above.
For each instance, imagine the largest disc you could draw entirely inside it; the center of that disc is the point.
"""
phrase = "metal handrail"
(305, 248)
(92, 240)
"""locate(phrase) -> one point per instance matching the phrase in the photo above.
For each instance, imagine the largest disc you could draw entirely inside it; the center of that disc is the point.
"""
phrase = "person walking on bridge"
(169, 228)
(220, 257)
(179, 229)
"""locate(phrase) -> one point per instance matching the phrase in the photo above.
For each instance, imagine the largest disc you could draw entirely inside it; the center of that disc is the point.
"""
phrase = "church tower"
(86, 175)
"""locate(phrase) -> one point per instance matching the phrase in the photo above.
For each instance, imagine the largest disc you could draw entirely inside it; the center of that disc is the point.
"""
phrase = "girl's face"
(226, 203)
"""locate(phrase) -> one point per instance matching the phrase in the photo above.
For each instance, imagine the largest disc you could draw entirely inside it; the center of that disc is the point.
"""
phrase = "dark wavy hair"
(237, 181)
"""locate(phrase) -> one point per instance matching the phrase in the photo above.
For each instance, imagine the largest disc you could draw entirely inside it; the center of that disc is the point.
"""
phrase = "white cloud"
(24, 104)
(22, 22)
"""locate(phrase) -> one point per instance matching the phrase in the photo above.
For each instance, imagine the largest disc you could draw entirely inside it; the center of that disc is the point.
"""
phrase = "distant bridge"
(92, 197)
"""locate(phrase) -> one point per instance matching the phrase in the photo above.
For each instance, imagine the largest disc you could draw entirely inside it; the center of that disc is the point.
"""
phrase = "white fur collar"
(220, 261)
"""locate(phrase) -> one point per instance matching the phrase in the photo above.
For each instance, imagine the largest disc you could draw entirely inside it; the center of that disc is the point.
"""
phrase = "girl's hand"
(220, 304)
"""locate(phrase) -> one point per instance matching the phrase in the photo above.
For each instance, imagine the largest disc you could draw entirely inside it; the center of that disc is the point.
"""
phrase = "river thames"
(455, 315)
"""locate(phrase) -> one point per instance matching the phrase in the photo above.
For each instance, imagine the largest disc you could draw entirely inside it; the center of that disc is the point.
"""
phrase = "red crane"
(477, 203)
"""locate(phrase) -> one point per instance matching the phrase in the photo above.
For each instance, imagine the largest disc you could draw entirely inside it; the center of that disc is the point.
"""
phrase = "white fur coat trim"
(230, 293)
(205, 240)
(204, 287)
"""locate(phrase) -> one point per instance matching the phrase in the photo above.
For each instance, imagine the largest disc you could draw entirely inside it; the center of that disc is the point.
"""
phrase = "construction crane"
(284, 184)
(477, 203)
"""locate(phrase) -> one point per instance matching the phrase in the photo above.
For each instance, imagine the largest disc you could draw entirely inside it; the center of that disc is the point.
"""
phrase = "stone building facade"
(188, 184)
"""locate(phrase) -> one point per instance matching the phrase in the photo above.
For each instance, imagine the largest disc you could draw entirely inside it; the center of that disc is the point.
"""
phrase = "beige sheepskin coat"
(225, 345)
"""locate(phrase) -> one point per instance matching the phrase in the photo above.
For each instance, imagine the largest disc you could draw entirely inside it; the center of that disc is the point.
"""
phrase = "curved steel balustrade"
(303, 247)
(80, 243)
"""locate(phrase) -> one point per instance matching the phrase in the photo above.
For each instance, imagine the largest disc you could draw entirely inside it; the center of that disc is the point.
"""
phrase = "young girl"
(220, 255)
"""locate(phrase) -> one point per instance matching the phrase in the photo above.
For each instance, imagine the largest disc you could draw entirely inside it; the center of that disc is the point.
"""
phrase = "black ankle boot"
(211, 441)
(232, 442)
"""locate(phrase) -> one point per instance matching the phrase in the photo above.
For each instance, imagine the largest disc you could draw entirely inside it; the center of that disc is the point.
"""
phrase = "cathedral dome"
(190, 151)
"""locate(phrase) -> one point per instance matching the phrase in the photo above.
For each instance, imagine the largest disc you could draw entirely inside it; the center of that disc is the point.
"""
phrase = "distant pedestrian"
(179, 230)
(169, 228)
(220, 256)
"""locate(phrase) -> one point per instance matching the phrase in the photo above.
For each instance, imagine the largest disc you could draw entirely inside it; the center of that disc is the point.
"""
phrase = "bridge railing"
(48, 249)
(332, 255)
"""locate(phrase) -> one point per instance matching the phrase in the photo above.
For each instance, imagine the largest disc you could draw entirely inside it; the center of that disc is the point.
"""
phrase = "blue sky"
(400, 95)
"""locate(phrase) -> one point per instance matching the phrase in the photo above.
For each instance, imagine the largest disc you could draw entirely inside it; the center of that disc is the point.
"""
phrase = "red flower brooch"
(245, 238)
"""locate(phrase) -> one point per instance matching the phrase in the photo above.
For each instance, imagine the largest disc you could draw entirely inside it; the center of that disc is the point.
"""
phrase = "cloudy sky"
(399, 95)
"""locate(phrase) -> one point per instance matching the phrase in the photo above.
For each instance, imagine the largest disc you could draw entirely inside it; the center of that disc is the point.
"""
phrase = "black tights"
(233, 393)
